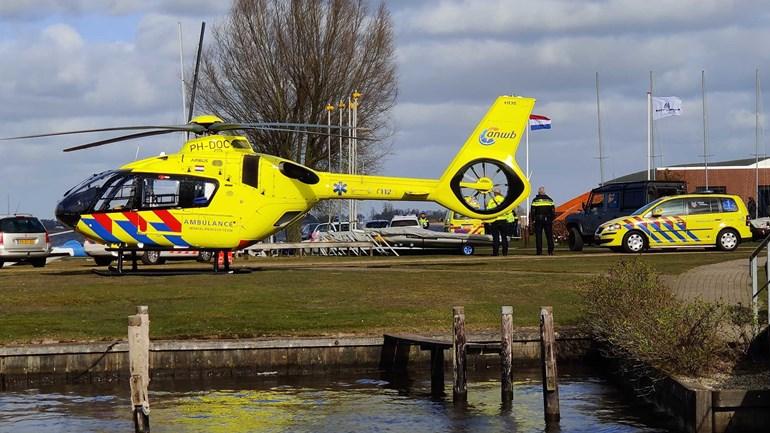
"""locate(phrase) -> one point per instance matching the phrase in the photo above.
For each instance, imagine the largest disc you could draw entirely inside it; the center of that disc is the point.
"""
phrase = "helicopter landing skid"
(118, 271)
(113, 272)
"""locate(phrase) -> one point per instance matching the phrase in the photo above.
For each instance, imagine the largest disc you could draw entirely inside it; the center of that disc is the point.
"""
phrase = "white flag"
(664, 106)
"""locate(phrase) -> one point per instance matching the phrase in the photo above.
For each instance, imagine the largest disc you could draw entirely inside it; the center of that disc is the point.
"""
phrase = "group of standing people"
(542, 215)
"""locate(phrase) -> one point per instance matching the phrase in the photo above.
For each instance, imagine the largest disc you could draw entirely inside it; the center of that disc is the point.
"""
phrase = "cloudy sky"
(89, 63)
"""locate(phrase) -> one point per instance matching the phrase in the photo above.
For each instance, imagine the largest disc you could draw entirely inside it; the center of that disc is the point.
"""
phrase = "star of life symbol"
(340, 188)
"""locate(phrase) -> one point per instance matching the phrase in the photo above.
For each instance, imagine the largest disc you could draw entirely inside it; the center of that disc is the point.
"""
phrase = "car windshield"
(642, 210)
(404, 223)
(21, 225)
(458, 216)
(376, 224)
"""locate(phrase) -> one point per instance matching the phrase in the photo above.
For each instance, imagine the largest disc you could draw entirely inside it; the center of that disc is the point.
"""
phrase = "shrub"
(636, 318)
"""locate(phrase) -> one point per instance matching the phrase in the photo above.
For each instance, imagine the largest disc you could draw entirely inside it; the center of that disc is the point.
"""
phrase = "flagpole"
(652, 132)
(705, 126)
(526, 164)
(649, 132)
(756, 147)
(599, 132)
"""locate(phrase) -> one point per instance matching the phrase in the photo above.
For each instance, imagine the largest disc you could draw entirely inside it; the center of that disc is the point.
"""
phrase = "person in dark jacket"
(543, 213)
(752, 208)
(499, 227)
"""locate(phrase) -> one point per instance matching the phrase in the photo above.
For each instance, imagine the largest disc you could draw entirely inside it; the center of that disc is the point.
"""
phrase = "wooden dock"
(394, 358)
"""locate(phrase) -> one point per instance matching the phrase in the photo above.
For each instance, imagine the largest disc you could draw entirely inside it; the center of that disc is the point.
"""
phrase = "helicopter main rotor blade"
(121, 138)
(195, 76)
(299, 131)
(235, 126)
(183, 128)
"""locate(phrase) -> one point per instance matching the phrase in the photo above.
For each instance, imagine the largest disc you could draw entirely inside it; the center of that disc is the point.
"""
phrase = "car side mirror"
(657, 212)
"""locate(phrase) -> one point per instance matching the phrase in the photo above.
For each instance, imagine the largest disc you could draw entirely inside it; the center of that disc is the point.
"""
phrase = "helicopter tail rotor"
(483, 180)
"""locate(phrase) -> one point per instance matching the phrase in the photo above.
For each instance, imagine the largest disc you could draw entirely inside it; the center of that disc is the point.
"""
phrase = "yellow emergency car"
(457, 223)
(719, 220)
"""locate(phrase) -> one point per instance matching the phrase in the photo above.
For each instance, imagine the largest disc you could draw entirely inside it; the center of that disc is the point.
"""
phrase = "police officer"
(543, 213)
(499, 227)
(423, 220)
(513, 224)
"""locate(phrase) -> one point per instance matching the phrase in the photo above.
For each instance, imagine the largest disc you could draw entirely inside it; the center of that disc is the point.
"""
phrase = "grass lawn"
(289, 296)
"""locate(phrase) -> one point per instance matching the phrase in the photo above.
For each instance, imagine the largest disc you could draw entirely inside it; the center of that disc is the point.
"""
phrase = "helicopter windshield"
(81, 198)
(116, 191)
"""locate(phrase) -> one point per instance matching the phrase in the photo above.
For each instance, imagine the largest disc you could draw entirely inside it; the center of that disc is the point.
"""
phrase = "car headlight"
(610, 228)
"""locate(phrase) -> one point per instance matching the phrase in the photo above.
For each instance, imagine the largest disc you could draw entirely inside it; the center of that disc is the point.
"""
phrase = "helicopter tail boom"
(362, 187)
(483, 181)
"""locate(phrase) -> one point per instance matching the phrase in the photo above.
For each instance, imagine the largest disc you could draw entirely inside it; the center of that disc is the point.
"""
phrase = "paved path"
(727, 282)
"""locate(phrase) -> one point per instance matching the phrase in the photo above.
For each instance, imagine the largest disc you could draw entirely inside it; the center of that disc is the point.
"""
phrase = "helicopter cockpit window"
(160, 192)
(166, 191)
(119, 194)
(81, 198)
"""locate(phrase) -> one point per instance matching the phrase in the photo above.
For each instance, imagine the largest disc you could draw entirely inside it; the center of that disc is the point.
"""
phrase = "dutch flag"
(537, 121)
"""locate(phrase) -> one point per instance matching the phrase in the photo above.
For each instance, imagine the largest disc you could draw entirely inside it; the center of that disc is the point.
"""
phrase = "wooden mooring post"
(548, 362)
(506, 357)
(139, 367)
(459, 387)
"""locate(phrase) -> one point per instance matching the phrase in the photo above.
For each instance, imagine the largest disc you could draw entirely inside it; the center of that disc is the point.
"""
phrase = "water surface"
(341, 403)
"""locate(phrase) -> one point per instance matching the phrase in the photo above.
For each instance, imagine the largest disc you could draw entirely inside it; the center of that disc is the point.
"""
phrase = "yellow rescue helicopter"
(217, 194)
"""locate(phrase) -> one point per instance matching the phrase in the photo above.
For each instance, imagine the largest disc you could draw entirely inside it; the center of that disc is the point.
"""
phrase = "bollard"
(548, 362)
(506, 358)
(459, 388)
(139, 368)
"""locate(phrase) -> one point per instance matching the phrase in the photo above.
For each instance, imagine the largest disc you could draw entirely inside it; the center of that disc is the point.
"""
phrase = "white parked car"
(103, 257)
(23, 239)
(404, 221)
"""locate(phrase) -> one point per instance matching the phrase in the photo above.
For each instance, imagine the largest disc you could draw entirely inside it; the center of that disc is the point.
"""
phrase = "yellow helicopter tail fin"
(484, 181)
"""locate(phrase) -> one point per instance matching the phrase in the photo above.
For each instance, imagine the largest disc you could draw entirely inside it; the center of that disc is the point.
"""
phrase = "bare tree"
(285, 60)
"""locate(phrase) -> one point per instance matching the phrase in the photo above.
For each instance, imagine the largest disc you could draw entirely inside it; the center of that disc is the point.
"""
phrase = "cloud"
(504, 17)
(38, 9)
(84, 63)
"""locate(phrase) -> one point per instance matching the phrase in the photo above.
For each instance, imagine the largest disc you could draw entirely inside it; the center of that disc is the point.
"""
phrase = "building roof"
(732, 163)
(735, 163)
(632, 177)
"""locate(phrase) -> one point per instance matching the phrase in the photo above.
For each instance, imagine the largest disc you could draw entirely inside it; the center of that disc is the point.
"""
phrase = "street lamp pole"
(354, 167)
(341, 106)
(329, 109)
(350, 161)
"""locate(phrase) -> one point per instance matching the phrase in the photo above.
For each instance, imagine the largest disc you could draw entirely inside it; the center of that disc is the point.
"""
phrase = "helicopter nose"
(66, 215)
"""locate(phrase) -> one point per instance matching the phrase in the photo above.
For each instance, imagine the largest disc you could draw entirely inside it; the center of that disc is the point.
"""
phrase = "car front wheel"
(575, 239)
(728, 240)
(634, 242)
(205, 256)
